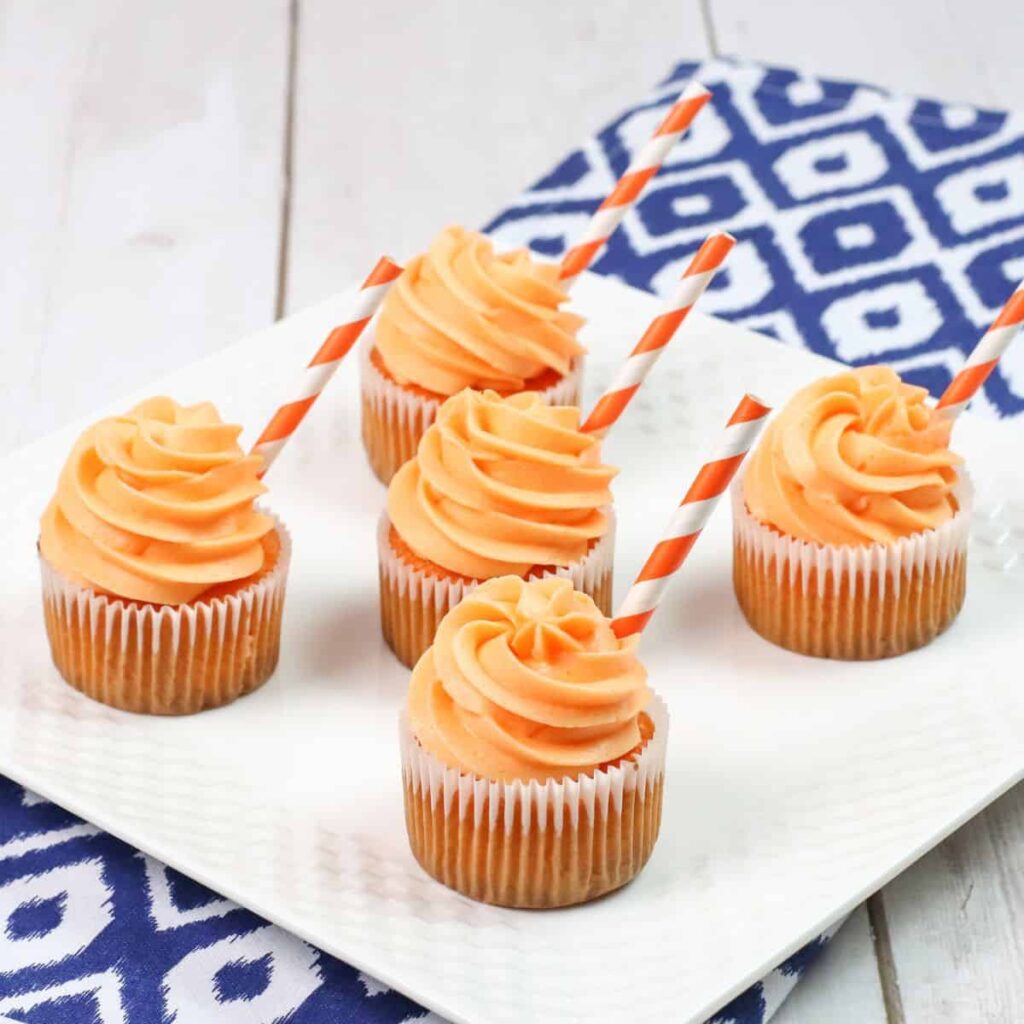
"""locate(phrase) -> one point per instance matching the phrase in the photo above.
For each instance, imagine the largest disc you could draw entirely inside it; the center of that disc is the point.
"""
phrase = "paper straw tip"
(385, 271)
(695, 90)
(720, 244)
(750, 408)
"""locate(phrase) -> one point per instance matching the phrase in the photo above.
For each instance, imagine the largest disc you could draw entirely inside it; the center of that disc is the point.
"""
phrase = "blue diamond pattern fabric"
(95, 932)
(870, 227)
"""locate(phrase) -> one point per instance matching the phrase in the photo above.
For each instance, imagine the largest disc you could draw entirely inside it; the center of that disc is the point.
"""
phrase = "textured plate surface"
(795, 786)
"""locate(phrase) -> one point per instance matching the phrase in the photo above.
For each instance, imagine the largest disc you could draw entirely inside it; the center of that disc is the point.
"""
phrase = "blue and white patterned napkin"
(870, 227)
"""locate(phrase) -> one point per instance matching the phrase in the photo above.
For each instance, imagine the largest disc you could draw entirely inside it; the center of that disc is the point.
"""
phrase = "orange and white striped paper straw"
(697, 276)
(691, 517)
(982, 361)
(644, 166)
(327, 359)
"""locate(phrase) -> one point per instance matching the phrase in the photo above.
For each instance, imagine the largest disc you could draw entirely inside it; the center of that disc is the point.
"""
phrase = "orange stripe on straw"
(284, 421)
(579, 258)
(338, 342)
(749, 410)
(628, 188)
(713, 478)
(661, 330)
(966, 384)
(1012, 314)
(690, 518)
(683, 111)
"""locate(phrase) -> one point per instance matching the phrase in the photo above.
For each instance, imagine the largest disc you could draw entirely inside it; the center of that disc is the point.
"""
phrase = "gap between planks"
(885, 960)
(287, 162)
(708, 22)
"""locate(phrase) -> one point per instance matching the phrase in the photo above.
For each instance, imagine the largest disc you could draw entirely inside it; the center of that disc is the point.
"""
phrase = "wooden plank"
(958, 52)
(887, 973)
(140, 193)
(842, 985)
(956, 920)
(412, 116)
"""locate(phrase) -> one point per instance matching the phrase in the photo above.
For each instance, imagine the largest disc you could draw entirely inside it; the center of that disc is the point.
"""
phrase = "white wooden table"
(176, 175)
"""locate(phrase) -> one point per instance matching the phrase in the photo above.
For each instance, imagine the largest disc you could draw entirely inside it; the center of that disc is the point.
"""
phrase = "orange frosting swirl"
(500, 485)
(858, 458)
(464, 316)
(526, 680)
(157, 505)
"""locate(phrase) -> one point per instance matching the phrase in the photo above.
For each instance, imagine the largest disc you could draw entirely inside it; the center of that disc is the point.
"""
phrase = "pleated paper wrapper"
(395, 417)
(850, 602)
(166, 659)
(535, 844)
(414, 599)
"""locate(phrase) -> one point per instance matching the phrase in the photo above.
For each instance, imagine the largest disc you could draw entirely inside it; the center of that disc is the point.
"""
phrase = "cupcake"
(851, 521)
(162, 584)
(533, 751)
(498, 487)
(463, 316)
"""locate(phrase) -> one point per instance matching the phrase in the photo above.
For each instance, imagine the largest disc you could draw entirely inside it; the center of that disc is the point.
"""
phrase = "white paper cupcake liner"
(531, 843)
(850, 601)
(413, 600)
(395, 417)
(166, 659)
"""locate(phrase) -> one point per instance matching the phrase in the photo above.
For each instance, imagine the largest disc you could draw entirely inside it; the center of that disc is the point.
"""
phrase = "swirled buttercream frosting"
(526, 680)
(157, 506)
(462, 315)
(500, 485)
(858, 458)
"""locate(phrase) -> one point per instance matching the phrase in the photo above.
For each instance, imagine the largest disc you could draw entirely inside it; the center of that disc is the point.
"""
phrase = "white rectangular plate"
(796, 786)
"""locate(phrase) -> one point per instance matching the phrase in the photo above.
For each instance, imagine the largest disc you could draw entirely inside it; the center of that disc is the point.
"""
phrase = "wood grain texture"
(956, 921)
(842, 985)
(943, 48)
(140, 203)
(413, 116)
